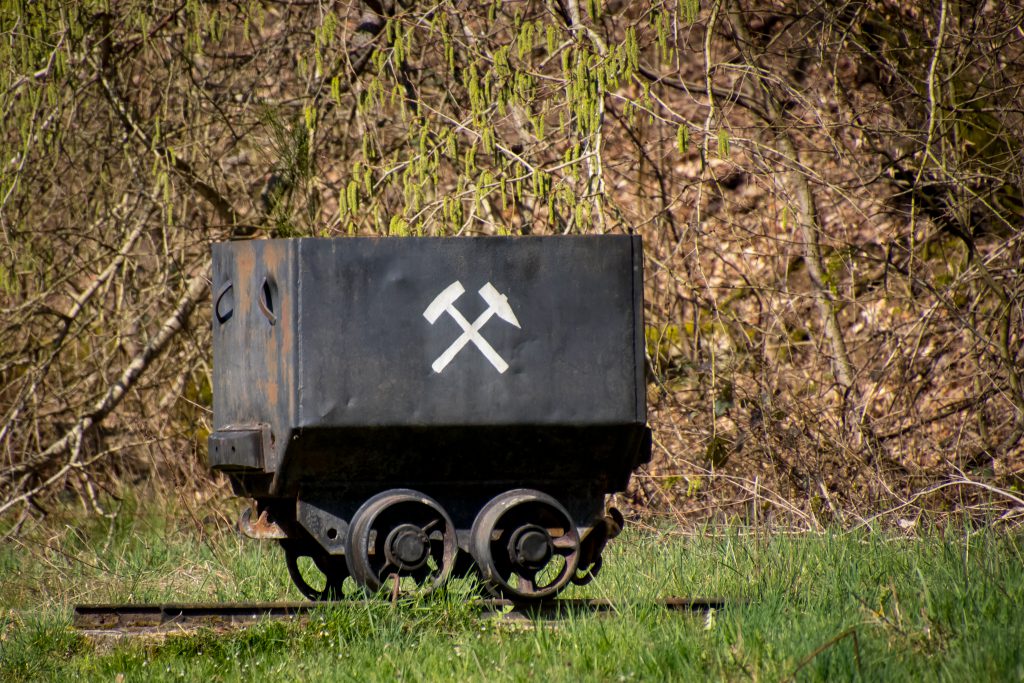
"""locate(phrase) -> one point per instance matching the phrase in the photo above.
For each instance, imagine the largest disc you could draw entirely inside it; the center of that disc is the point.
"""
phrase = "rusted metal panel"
(254, 340)
(370, 357)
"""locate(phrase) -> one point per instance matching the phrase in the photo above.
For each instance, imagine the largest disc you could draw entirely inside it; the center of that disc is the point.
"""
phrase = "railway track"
(131, 619)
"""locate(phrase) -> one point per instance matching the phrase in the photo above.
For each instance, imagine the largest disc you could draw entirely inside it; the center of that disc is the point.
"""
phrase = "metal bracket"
(323, 523)
(262, 528)
(239, 448)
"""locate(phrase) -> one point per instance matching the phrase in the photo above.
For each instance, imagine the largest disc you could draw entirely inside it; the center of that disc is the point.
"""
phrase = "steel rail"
(143, 618)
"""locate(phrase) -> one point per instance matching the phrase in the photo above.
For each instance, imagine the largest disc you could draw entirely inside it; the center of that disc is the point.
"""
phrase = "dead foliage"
(830, 197)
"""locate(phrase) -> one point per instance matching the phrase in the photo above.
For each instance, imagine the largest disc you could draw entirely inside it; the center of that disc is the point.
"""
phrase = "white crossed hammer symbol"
(497, 304)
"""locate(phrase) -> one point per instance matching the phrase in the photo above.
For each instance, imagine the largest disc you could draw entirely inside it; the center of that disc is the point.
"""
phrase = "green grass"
(838, 606)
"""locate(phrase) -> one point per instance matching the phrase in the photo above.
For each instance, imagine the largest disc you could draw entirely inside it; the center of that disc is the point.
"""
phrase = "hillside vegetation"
(831, 197)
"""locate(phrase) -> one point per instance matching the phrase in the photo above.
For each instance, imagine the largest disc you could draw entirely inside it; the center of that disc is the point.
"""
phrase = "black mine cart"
(402, 408)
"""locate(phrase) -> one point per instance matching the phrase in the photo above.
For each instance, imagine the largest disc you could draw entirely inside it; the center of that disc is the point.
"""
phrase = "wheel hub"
(407, 547)
(530, 546)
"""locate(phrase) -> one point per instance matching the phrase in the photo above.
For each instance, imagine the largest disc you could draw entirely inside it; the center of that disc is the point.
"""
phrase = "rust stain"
(261, 528)
(276, 352)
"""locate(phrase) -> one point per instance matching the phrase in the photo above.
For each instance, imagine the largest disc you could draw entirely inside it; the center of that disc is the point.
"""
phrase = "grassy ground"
(847, 606)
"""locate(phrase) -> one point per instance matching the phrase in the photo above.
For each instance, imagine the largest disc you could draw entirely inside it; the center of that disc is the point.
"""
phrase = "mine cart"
(402, 408)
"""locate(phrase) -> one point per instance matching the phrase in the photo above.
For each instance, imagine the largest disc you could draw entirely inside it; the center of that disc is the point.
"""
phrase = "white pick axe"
(497, 304)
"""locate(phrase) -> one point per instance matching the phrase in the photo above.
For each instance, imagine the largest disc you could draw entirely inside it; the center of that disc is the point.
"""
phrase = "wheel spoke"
(421, 575)
(567, 543)
(382, 573)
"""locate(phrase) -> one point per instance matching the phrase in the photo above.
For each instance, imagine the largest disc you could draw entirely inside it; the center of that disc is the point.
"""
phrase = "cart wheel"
(334, 569)
(401, 536)
(525, 544)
